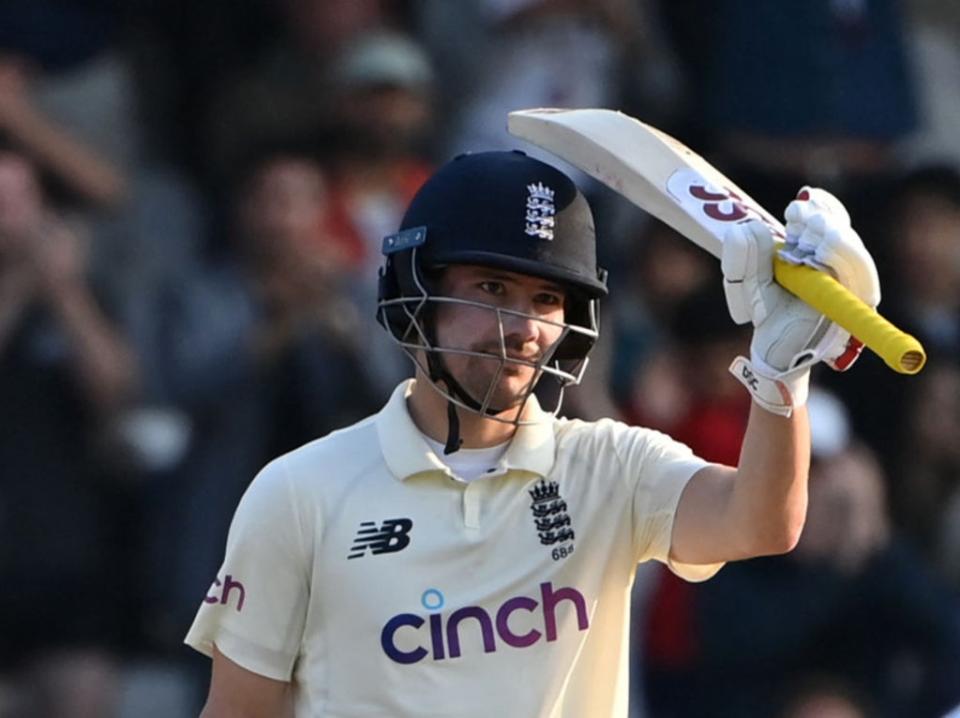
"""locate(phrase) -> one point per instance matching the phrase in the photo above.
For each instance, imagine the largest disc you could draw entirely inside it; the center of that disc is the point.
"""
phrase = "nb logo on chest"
(391, 536)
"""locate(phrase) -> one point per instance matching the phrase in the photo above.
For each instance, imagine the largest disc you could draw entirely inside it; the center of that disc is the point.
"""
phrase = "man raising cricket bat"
(468, 552)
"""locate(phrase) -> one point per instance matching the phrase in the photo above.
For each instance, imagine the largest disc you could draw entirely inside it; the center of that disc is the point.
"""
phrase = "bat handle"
(901, 352)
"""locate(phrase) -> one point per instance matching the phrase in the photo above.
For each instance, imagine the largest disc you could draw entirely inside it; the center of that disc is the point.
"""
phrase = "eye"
(497, 289)
(549, 299)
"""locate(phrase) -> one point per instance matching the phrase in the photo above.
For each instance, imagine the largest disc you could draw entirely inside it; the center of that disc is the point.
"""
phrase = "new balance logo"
(392, 536)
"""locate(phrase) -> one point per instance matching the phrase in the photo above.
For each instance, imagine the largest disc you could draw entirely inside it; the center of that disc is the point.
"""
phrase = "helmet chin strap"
(439, 373)
(453, 430)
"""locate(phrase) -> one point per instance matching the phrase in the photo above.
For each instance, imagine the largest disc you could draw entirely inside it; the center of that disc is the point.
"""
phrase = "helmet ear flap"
(574, 347)
(579, 311)
(392, 316)
(404, 289)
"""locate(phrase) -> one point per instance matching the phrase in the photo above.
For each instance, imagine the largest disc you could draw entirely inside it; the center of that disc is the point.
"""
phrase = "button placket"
(471, 505)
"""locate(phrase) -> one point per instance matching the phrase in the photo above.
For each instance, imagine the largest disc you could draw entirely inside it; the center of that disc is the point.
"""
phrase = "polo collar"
(407, 453)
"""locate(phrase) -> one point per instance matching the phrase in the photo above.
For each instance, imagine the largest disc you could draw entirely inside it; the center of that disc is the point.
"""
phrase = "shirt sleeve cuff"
(693, 572)
(243, 652)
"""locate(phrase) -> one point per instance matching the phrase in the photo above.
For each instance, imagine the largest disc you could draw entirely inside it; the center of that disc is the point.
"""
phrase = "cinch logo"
(391, 537)
(444, 638)
(228, 586)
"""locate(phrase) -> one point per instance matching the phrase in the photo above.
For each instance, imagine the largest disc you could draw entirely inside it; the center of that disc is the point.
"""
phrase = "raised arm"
(104, 363)
(236, 692)
(79, 167)
(759, 508)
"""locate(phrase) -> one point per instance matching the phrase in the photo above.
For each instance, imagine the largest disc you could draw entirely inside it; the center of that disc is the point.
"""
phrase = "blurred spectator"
(663, 270)
(381, 113)
(468, 38)
(382, 117)
(925, 254)
(932, 33)
(183, 53)
(286, 92)
(820, 697)
(66, 96)
(686, 389)
(262, 356)
(852, 602)
(818, 94)
(927, 487)
(539, 53)
(370, 93)
(66, 372)
(67, 102)
(921, 293)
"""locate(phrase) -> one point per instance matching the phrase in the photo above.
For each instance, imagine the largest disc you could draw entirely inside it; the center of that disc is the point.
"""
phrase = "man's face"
(286, 205)
(928, 246)
(477, 329)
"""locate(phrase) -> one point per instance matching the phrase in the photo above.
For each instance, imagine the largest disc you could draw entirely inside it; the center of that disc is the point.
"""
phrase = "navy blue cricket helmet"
(495, 209)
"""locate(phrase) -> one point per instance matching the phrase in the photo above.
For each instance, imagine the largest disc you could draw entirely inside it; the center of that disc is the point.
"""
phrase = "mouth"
(494, 352)
(518, 365)
(526, 358)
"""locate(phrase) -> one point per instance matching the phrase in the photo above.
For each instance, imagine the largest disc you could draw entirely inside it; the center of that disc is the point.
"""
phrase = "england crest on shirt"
(550, 517)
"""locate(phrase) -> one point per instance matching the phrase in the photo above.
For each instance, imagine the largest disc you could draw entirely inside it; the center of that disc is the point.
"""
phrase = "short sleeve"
(659, 468)
(255, 610)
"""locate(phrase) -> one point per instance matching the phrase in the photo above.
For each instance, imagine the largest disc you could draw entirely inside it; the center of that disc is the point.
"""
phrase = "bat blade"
(676, 185)
(653, 170)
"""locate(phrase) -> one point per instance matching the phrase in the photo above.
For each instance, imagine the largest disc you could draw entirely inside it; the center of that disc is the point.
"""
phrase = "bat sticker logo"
(711, 206)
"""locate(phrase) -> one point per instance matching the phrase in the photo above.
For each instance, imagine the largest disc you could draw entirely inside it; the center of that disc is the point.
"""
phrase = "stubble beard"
(513, 385)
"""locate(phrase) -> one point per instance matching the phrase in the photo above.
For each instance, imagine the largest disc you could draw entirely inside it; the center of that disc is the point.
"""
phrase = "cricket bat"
(676, 185)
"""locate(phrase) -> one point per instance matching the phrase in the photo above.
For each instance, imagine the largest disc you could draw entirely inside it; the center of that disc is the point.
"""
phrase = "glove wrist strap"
(777, 392)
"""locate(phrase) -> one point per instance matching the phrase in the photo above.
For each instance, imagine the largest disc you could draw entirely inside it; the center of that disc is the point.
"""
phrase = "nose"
(518, 331)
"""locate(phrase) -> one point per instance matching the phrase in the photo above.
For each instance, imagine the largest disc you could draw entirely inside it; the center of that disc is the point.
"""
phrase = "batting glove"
(790, 336)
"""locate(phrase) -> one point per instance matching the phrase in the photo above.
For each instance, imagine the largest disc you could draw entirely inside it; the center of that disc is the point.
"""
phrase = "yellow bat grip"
(901, 352)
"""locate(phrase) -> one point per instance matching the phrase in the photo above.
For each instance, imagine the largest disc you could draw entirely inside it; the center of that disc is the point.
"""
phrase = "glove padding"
(789, 335)
(819, 235)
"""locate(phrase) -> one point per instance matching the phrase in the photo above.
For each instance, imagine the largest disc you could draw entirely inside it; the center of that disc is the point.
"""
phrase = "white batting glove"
(790, 336)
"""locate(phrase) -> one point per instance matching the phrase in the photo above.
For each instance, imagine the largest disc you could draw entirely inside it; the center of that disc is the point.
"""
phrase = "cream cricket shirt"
(360, 568)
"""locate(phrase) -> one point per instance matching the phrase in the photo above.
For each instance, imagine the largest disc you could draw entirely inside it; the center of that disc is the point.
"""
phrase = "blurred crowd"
(192, 199)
